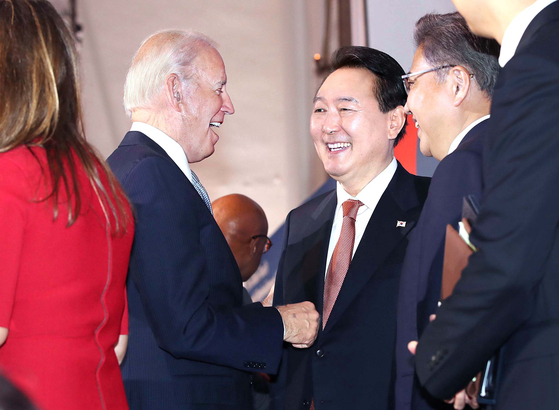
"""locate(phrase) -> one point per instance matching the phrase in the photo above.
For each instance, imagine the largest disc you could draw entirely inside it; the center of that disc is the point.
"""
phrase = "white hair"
(169, 52)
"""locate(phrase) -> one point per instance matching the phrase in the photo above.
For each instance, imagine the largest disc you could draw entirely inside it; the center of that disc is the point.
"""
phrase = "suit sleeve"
(13, 201)
(515, 232)
(168, 268)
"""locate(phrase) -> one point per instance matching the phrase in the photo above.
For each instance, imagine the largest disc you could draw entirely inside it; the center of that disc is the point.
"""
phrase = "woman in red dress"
(66, 228)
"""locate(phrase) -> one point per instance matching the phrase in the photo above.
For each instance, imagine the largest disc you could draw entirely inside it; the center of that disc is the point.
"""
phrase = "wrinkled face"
(206, 105)
(428, 105)
(349, 131)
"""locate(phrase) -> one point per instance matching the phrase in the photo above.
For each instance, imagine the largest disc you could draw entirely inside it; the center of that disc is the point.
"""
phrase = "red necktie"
(341, 258)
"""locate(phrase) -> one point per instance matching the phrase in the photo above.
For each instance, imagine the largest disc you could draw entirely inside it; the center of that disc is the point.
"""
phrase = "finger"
(412, 346)
(300, 345)
(460, 400)
(432, 317)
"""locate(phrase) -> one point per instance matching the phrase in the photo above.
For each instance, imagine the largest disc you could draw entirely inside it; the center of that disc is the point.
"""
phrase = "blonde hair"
(41, 106)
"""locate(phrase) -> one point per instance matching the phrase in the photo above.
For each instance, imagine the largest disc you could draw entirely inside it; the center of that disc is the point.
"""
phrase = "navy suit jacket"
(190, 337)
(350, 366)
(458, 175)
(508, 295)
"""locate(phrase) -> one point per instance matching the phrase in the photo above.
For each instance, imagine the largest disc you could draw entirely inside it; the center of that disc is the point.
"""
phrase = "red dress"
(62, 291)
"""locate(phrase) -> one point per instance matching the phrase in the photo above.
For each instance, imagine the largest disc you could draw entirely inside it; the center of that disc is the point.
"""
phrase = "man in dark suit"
(191, 341)
(450, 87)
(358, 117)
(508, 295)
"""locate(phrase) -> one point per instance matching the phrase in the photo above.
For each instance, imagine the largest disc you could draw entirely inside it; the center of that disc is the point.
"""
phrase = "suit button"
(320, 353)
(306, 403)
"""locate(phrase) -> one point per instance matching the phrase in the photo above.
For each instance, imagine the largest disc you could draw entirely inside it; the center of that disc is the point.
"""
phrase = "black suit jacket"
(458, 175)
(350, 364)
(190, 337)
(509, 293)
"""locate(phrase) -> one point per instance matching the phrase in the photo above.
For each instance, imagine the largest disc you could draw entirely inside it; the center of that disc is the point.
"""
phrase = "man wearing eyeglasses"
(343, 250)
(450, 87)
(245, 227)
(507, 297)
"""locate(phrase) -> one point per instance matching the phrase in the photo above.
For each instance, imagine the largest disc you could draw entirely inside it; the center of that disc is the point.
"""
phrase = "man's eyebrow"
(347, 99)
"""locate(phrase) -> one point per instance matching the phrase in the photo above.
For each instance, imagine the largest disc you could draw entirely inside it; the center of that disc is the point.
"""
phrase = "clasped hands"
(460, 399)
(300, 322)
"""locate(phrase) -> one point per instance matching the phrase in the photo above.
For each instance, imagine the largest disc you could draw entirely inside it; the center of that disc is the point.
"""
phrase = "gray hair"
(163, 53)
(447, 40)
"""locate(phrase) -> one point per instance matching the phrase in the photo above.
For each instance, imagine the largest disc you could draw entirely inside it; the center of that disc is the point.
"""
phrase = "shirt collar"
(370, 195)
(517, 27)
(461, 136)
(169, 145)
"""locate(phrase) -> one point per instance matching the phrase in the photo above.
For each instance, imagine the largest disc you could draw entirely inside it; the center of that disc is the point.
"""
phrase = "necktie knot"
(351, 206)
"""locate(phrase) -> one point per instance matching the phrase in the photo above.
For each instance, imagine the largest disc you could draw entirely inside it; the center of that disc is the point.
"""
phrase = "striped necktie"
(201, 190)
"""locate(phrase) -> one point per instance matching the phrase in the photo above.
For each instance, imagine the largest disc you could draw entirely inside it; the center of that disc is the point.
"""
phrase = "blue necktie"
(201, 191)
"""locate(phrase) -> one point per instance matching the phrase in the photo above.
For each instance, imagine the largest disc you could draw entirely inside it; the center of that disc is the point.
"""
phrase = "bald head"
(240, 219)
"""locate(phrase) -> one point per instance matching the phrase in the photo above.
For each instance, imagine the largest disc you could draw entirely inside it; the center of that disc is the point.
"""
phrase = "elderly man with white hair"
(191, 340)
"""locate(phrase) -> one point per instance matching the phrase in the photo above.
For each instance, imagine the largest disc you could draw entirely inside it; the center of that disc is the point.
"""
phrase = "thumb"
(412, 346)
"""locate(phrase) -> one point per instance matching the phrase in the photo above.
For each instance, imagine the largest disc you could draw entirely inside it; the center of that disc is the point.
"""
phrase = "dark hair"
(446, 39)
(11, 398)
(389, 89)
(41, 106)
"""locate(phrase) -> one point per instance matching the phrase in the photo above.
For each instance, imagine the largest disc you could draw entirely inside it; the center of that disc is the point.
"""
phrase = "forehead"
(210, 66)
(419, 63)
(357, 83)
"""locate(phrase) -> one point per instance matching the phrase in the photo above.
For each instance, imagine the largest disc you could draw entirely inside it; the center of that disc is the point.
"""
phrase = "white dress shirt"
(370, 196)
(461, 136)
(517, 27)
(169, 145)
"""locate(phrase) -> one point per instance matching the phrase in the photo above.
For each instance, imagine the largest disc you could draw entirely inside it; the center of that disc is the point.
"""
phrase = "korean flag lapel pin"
(400, 224)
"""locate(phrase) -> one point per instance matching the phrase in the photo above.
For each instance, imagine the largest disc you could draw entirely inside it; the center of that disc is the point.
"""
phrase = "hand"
(120, 347)
(270, 298)
(460, 400)
(300, 323)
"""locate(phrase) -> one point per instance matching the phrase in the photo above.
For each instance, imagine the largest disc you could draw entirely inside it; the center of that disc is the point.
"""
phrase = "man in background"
(449, 95)
(191, 340)
(507, 296)
(245, 227)
(343, 250)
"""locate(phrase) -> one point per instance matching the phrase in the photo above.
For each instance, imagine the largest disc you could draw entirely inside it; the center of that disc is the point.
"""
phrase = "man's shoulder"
(315, 204)
(135, 149)
(412, 188)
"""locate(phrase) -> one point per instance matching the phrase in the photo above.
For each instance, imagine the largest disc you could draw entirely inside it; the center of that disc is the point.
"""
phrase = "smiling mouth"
(338, 146)
(215, 124)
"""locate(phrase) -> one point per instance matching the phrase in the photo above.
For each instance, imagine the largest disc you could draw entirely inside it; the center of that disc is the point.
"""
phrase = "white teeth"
(338, 146)
(215, 124)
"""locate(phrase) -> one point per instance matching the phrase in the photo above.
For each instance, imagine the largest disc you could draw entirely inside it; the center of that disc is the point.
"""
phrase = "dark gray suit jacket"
(509, 293)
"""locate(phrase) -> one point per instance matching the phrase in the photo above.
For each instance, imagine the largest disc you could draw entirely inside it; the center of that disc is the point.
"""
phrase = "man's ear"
(460, 81)
(397, 122)
(173, 91)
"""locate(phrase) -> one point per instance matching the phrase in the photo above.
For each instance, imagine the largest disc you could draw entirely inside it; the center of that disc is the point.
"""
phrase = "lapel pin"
(400, 224)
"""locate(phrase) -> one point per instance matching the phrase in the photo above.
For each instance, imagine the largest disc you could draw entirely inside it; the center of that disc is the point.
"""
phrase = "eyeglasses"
(268, 244)
(406, 77)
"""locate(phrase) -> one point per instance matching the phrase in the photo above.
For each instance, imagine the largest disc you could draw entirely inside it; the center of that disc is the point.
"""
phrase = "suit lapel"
(379, 239)
(307, 280)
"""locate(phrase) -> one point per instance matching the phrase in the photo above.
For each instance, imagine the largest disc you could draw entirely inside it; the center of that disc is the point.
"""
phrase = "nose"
(331, 122)
(227, 106)
(407, 108)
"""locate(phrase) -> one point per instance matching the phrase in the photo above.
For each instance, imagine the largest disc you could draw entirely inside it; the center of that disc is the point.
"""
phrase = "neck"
(503, 13)
(155, 119)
